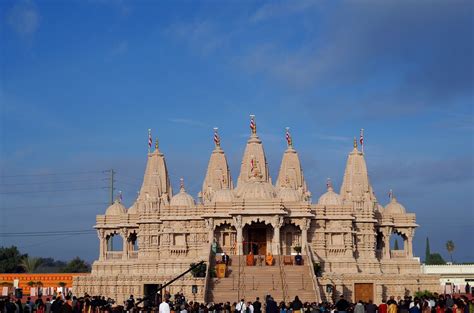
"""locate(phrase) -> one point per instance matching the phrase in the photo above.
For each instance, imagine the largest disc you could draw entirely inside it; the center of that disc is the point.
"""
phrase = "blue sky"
(82, 81)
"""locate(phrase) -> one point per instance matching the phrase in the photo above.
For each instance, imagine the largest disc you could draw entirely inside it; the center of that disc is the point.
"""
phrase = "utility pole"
(112, 173)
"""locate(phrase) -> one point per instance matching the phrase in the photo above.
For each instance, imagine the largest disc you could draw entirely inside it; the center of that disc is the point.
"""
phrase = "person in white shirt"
(240, 307)
(164, 307)
(250, 307)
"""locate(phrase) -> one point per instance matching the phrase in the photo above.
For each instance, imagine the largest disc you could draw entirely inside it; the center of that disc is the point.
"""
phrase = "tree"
(395, 246)
(435, 259)
(76, 265)
(427, 251)
(10, 259)
(30, 264)
(450, 247)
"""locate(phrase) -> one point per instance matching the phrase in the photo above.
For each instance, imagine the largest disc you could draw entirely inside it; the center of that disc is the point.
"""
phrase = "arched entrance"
(257, 238)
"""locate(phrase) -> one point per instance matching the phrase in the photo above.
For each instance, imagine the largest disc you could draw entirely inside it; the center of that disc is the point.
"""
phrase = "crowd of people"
(179, 304)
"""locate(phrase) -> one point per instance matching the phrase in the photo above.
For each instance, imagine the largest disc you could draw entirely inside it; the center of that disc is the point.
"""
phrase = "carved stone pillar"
(409, 243)
(238, 227)
(304, 233)
(102, 244)
(386, 245)
(210, 229)
(124, 234)
(277, 223)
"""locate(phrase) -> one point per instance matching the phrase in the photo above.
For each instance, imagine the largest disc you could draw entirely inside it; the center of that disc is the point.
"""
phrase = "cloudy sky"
(82, 81)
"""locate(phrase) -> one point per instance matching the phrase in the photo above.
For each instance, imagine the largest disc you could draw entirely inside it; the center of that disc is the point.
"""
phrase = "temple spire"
(218, 174)
(355, 185)
(253, 151)
(156, 184)
(291, 173)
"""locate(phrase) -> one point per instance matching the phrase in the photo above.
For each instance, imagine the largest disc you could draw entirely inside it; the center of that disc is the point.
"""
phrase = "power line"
(47, 233)
(55, 206)
(57, 190)
(54, 174)
(49, 182)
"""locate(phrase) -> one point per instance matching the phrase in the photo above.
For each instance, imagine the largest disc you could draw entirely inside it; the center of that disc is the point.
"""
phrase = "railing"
(208, 272)
(113, 255)
(284, 287)
(397, 254)
(311, 261)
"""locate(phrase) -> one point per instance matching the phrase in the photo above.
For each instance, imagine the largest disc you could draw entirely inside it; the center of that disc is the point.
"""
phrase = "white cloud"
(24, 18)
(188, 122)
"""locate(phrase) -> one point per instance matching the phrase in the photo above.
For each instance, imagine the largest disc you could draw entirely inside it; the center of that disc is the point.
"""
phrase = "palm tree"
(450, 247)
(30, 265)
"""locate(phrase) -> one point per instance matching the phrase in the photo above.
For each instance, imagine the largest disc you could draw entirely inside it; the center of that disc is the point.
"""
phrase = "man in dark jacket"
(342, 305)
(257, 306)
(271, 305)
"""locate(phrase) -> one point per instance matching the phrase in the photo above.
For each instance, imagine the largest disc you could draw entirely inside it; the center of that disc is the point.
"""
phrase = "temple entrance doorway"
(364, 292)
(257, 238)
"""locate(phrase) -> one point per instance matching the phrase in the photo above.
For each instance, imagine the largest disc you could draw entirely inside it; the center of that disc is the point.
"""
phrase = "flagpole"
(362, 136)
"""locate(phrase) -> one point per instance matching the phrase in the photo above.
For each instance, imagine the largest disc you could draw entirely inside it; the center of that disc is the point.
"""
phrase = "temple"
(343, 241)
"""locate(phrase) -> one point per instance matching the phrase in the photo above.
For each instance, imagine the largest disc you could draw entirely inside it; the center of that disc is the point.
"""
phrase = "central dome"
(256, 190)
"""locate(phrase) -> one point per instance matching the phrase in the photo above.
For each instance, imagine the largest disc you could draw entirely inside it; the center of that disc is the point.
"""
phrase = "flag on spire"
(390, 194)
(328, 183)
(120, 196)
(150, 140)
(217, 139)
(253, 126)
(289, 141)
(361, 138)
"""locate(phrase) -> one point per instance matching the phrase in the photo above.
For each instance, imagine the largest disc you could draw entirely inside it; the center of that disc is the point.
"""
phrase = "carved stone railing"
(113, 255)
(178, 250)
(314, 279)
(209, 264)
(397, 254)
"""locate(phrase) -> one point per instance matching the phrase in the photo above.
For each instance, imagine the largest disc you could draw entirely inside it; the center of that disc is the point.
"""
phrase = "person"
(240, 307)
(250, 308)
(225, 259)
(370, 307)
(250, 259)
(383, 307)
(296, 305)
(270, 305)
(164, 307)
(130, 303)
(467, 289)
(342, 304)
(359, 307)
(298, 259)
(66, 307)
(392, 305)
(269, 259)
(257, 306)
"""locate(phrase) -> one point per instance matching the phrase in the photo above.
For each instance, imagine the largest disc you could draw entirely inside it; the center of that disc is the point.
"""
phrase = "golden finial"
(181, 184)
(156, 143)
(355, 142)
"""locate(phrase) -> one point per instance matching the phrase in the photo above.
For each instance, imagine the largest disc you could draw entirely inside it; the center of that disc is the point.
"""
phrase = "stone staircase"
(281, 281)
